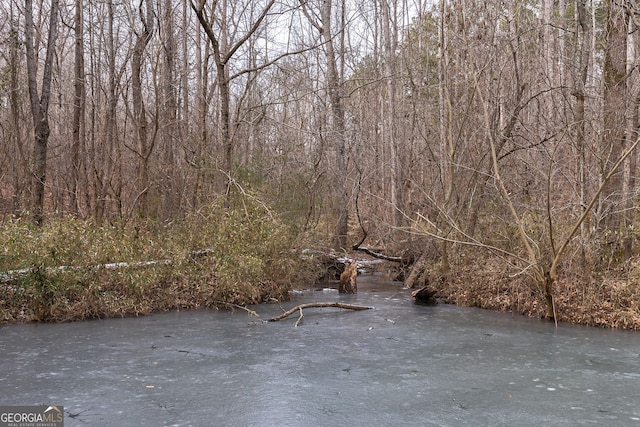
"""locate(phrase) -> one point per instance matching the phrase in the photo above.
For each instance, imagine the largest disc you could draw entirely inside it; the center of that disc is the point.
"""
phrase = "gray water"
(397, 364)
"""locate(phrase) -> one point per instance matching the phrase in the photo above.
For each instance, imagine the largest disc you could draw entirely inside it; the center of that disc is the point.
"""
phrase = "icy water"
(399, 364)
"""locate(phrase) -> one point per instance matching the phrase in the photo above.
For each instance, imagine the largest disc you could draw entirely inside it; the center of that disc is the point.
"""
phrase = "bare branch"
(310, 18)
(273, 61)
(319, 305)
(249, 33)
(596, 196)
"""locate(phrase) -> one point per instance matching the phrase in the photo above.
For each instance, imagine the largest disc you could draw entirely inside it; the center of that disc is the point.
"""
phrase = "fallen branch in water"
(317, 304)
(241, 307)
(299, 318)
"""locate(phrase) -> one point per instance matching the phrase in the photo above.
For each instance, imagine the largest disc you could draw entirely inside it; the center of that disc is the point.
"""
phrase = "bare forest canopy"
(452, 126)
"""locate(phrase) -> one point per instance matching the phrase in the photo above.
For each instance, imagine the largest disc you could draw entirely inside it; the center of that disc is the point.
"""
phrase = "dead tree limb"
(357, 246)
(300, 307)
(378, 255)
(241, 307)
(299, 318)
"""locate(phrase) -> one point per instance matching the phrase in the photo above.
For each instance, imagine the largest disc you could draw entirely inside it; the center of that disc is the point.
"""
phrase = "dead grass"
(243, 257)
(611, 300)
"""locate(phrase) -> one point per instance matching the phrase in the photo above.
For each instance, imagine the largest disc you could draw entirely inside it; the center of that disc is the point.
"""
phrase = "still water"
(397, 364)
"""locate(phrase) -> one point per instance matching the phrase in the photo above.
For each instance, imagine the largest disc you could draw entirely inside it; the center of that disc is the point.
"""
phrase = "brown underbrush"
(610, 299)
(102, 294)
(220, 256)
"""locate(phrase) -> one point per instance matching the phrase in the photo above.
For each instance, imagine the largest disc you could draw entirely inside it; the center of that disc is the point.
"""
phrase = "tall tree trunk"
(40, 104)
(15, 114)
(102, 149)
(145, 145)
(389, 34)
(334, 89)
(225, 120)
(78, 106)
(202, 111)
(170, 129)
(446, 144)
(548, 46)
(169, 82)
(184, 79)
(613, 138)
(584, 37)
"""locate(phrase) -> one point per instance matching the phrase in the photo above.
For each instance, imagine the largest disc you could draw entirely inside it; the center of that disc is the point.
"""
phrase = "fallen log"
(419, 275)
(425, 295)
(378, 255)
(300, 307)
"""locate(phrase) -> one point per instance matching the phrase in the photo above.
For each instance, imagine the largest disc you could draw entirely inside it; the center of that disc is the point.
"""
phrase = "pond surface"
(397, 364)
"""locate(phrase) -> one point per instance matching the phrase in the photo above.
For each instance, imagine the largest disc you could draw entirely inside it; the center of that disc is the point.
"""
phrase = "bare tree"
(447, 170)
(78, 106)
(390, 43)
(103, 157)
(224, 49)
(16, 157)
(169, 129)
(334, 90)
(40, 103)
(146, 142)
(615, 90)
(580, 93)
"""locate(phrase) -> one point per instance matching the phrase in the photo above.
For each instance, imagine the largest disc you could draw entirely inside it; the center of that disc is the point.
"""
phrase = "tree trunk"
(21, 165)
(78, 107)
(40, 104)
(584, 25)
(170, 129)
(613, 138)
(446, 151)
(201, 112)
(101, 159)
(419, 275)
(334, 89)
(144, 146)
(390, 45)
